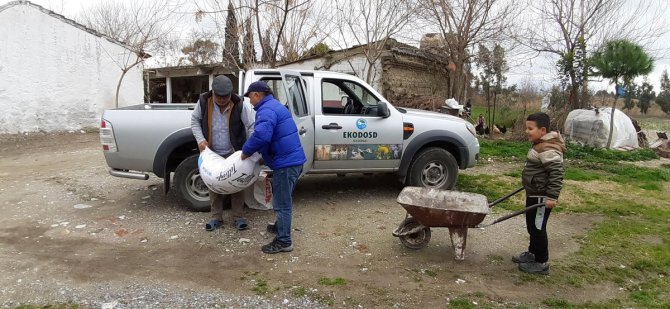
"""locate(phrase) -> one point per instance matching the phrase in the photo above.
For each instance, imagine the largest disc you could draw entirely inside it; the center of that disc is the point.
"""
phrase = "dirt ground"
(71, 232)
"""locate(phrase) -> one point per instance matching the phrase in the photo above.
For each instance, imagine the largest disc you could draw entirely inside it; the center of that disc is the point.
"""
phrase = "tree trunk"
(488, 110)
(493, 115)
(616, 97)
(368, 76)
(123, 74)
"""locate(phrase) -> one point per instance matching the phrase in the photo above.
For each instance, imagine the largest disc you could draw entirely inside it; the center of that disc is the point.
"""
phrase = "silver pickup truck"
(345, 126)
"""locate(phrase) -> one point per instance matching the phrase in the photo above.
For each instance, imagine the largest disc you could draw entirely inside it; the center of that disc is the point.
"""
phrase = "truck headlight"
(471, 128)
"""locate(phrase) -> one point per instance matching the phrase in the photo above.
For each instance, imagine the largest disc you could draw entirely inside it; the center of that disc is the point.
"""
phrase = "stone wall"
(410, 81)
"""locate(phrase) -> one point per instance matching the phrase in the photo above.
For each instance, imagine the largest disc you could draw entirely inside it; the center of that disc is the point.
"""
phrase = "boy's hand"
(550, 203)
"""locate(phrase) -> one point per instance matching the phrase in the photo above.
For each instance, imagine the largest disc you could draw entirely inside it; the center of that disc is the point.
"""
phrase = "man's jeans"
(283, 183)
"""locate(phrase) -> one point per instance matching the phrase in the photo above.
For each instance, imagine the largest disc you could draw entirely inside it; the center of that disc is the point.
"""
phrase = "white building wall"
(358, 65)
(310, 64)
(54, 76)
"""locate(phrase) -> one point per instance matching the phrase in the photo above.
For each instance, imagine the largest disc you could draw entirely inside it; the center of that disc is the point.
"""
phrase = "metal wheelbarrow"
(455, 210)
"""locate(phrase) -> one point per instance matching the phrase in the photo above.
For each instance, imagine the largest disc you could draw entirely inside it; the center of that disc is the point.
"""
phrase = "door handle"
(302, 131)
(331, 126)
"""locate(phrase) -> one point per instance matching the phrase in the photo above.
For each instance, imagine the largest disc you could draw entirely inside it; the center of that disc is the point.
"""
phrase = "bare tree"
(303, 27)
(201, 50)
(463, 25)
(284, 29)
(140, 25)
(371, 24)
(219, 11)
(570, 29)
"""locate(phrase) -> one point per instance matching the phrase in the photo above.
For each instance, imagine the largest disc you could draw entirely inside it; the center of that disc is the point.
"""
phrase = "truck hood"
(418, 114)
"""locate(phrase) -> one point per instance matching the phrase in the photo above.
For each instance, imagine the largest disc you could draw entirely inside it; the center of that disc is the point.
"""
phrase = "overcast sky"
(539, 69)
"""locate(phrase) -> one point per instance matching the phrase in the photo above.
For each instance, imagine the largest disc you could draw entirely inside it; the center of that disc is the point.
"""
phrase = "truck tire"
(433, 167)
(189, 186)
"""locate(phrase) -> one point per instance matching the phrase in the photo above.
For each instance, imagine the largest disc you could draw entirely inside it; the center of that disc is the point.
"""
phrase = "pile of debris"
(662, 145)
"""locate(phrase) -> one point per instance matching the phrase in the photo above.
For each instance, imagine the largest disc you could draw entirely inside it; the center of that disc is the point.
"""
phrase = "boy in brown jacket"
(542, 178)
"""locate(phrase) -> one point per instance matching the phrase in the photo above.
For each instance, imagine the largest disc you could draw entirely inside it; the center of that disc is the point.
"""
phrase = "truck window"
(295, 97)
(345, 97)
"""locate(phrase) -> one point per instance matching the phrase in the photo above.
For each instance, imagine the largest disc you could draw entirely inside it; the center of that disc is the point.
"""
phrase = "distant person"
(222, 122)
(468, 107)
(542, 179)
(479, 128)
(276, 138)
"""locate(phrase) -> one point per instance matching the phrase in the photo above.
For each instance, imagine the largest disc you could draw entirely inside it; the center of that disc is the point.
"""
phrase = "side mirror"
(344, 100)
(383, 110)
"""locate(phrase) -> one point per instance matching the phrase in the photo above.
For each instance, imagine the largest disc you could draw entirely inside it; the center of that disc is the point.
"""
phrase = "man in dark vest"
(223, 122)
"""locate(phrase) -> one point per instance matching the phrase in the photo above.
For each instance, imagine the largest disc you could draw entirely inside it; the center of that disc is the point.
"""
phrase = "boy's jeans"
(283, 183)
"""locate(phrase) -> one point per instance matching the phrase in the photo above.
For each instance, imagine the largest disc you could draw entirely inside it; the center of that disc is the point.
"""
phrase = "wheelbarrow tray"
(443, 208)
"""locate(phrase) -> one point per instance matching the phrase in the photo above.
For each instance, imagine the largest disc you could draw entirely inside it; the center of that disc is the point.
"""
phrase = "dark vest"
(236, 129)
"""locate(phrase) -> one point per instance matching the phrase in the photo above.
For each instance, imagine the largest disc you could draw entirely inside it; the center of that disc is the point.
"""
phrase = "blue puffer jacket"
(275, 136)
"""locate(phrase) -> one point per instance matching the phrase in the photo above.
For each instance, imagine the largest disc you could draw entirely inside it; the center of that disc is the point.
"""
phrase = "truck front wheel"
(433, 168)
(189, 186)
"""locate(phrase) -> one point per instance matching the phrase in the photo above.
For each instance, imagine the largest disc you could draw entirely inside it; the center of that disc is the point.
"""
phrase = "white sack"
(228, 175)
(589, 128)
(259, 196)
(452, 103)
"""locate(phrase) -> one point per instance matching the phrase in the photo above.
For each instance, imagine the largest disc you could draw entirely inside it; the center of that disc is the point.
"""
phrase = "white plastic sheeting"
(591, 128)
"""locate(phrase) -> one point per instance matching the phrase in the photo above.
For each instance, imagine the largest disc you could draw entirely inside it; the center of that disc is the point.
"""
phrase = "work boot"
(534, 268)
(277, 246)
(525, 257)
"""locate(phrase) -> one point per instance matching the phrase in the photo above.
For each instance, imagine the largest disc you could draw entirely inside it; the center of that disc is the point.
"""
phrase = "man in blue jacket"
(276, 138)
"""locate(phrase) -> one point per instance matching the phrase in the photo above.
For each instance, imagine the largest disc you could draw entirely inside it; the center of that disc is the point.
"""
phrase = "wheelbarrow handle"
(505, 197)
(512, 215)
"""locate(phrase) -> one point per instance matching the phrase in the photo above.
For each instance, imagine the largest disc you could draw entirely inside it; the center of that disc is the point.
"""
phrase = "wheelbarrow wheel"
(416, 240)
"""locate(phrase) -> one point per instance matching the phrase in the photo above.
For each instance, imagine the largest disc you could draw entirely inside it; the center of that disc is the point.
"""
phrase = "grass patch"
(516, 151)
(261, 287)
(590, 154)
(299, 292)
(429, 273)
(582, 174)
(490, 186)
(461, 304)
(650, 294)
(557, 303)
(582, 164)
(332, 282)
(650, 179)
(503, 149)
(505, 115)
(496, 259)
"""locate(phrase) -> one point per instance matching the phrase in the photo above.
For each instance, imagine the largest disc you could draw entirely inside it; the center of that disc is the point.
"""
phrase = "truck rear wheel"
(433, 167)
(189, 186)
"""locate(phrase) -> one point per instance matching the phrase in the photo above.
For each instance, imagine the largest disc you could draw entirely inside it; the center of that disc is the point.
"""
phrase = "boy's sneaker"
(525, 257)
(277, 246)
(534, 268)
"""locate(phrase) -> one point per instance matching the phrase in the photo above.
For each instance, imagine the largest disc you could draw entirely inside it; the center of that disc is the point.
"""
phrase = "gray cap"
(222, 86)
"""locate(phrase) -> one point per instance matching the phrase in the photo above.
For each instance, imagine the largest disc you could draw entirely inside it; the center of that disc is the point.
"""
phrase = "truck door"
(297, 103)
(351, 136)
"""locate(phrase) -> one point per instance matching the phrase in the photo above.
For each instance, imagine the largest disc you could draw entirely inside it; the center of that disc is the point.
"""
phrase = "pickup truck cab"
(345, 126)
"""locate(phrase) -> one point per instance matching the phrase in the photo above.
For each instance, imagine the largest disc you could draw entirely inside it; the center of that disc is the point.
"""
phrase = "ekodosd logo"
(361, 124)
